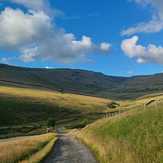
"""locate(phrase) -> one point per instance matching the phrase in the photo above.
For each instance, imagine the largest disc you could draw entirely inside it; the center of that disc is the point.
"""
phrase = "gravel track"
(69, 150)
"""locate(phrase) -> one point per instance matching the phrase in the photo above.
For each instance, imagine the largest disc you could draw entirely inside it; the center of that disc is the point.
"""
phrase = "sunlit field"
(72, 101)
(25, 111)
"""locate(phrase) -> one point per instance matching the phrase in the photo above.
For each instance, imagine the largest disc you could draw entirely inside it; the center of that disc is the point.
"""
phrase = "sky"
(122, 37)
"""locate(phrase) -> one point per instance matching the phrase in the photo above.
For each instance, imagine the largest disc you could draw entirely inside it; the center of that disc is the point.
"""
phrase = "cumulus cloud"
(35, 35)
(28, 55)
(150, 53)
(19, 28)
(104, 46)
(152, 26)
(32, 4)
(64, 48)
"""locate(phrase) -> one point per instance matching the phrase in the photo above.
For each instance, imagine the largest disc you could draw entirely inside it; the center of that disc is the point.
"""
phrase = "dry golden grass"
(133, 137)
(19, 149)
(25, 106)
(60, 99)
(40, 155)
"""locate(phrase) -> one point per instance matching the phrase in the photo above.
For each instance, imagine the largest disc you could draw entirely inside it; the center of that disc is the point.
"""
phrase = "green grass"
(25, 111)
(134, 137)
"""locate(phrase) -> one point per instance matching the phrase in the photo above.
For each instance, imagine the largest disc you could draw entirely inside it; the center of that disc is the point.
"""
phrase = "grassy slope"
(26, 149)
(135, 136)
(81, 82)
(31, 108)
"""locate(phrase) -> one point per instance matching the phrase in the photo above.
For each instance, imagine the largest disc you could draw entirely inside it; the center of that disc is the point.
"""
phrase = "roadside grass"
(133, 137)
(32, 108)
(31, 149)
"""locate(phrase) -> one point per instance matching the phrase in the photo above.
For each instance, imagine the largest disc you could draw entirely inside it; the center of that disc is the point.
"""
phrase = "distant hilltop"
(81, 82)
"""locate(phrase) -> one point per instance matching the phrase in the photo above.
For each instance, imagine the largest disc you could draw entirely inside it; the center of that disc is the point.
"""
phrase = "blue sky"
(137, 24)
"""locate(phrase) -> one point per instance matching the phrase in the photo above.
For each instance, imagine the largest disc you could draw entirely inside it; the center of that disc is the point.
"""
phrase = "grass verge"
(133, 137)
(40, 155)
(31, 149)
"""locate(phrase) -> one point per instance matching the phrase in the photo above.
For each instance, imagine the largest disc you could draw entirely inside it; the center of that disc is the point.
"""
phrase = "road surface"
(69, 150)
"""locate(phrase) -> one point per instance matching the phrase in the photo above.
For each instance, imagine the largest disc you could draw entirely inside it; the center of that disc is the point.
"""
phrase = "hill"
(81, 82)
(134, 136)
(27, 111)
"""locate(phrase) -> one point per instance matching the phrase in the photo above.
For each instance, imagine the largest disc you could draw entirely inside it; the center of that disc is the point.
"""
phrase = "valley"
(105, 129)
(81, 81)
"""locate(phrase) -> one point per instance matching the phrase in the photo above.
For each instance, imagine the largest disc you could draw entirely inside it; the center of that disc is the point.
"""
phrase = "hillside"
(25, 110)
(81, 82)
(134, 136)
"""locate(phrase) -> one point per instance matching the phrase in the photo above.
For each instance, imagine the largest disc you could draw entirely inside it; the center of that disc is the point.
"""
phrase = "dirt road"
(69, 150)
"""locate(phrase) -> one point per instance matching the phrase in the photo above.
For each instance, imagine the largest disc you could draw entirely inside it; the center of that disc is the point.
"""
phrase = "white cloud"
(148, 27)
(142, 54)
(130, 47)
(41, 5)
(104, 46)
(36, 36)
(29, 54)
(156, 4)
(34, 4)
(62, 47)
(152, 26)
(38, 5)
(19, 28)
